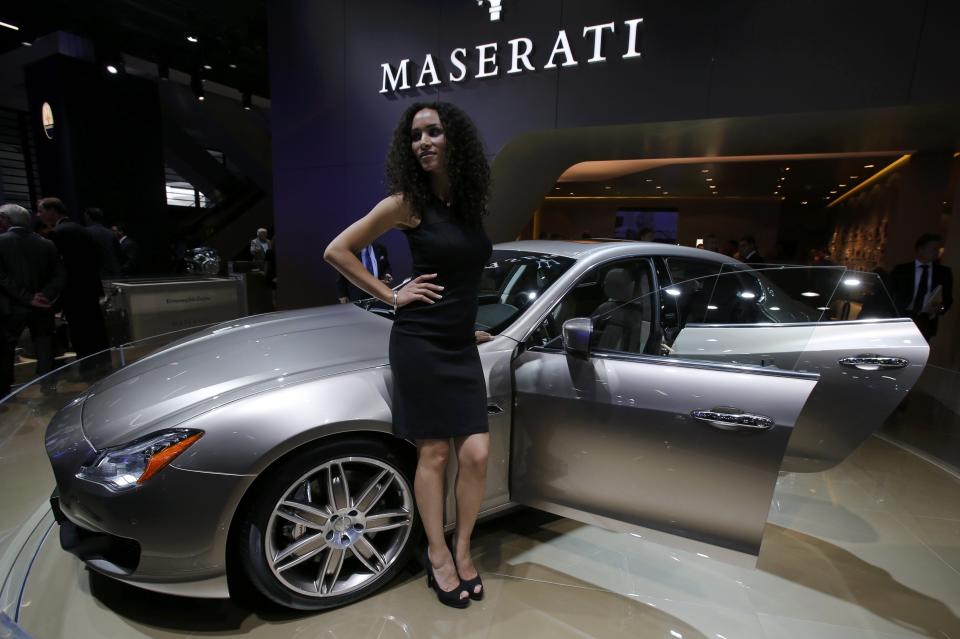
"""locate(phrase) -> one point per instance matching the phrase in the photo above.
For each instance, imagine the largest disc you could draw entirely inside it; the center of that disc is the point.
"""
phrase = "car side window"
(619, 298)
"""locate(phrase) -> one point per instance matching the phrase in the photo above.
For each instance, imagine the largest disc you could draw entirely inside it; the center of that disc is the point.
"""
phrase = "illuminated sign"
(519, 52)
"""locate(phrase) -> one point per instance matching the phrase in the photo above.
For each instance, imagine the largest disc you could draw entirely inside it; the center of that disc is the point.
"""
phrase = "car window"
(618, 298)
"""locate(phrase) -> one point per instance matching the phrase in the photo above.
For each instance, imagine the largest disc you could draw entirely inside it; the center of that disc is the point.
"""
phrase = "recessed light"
(713, 186)
(783, 197)
(868, 166)
(571, 192)
(854, 177)
(841, 185)
(659, 187)
(804, 202)
(666, 192)
(208, 67)
(27, 44)
(201, 98)
(608, 187)
(787, 169)
(709, 179)
(834, 192)
(649, 180)
(232, 65)
(704, 170)
(191, 38)
(112, 69)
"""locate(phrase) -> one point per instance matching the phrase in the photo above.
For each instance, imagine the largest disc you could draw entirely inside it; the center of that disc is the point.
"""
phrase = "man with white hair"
(259, 246)
(31, 278)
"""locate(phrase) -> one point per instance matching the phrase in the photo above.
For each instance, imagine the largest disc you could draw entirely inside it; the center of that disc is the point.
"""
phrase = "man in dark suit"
(374, 258)
(106, 240)
(748, 250)
(923, 288)
(129, 251)
(31, 277)
(81, 295)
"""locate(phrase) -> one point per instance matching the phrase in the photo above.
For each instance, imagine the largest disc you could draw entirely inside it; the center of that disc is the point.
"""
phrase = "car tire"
(344, 510)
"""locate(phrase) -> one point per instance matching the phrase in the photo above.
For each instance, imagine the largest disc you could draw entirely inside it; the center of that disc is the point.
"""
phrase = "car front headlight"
(127, 466)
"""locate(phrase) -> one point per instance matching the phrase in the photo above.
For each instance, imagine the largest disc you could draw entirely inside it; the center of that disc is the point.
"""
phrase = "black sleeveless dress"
(438, 385)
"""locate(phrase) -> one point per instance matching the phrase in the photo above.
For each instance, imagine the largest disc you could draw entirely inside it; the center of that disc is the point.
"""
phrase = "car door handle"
(874, 362)
(733, 419)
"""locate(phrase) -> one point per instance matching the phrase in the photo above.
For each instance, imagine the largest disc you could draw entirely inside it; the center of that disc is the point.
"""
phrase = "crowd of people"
(50, 264)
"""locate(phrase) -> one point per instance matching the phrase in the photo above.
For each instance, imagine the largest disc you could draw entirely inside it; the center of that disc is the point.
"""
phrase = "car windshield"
(510, 281)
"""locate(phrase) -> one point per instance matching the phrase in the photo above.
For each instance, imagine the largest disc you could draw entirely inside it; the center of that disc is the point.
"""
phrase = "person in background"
(259, 246)
(80, 299)
(374, 258)
(129, 251)
(730, 248)
(748, 250)
(645, 234)
(923, 288)
(106, 240)
(31, 277)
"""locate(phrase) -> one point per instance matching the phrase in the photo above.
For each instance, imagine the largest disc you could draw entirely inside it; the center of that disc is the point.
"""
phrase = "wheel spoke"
(386, 520)
(304, 514)
(305, 548)
(332, 564)
(369, 488)
(365, 552)
(337, 490)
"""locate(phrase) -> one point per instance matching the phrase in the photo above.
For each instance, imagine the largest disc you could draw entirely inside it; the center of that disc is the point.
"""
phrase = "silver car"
(637, 386)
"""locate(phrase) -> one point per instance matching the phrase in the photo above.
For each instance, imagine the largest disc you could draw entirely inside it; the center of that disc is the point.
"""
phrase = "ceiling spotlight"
(709, 179)
(854, 177)
(208, 67)
(868, 166)
(649, 180)
(192, 39)
(27, 44)
(232, 65)
(804, 202)
(608, 187)
(841, 185)
(834, 192)
(659, 187)
(783, 197)
(787, 168)
(112, 70)
(9, 26)
(704, 170)
(666, 192)
(712, 186)
(571, 192)
(247, 101)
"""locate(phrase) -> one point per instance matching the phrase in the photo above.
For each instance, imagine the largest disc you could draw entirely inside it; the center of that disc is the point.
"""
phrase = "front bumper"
(168, 534)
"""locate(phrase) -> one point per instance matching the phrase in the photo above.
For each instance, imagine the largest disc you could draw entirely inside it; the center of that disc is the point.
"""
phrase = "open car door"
(633, 413)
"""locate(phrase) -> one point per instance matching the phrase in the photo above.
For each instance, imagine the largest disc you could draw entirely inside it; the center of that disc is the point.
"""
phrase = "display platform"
(870, 548)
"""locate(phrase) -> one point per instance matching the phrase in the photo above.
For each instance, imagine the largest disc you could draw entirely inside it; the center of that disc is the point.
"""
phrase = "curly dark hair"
(467, 165)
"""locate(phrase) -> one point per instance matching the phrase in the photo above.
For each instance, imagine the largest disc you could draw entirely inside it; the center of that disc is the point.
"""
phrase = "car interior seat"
(618, 322)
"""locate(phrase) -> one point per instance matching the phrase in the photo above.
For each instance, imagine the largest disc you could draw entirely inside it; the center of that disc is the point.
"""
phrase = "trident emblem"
(495, 8)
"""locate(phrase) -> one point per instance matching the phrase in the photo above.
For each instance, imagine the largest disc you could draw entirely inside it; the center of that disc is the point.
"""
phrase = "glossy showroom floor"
(868, 549)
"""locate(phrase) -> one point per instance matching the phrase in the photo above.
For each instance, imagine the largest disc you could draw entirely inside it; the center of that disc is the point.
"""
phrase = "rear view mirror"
(576, 336)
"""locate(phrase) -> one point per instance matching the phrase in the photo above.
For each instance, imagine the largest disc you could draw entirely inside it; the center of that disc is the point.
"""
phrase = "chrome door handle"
(733, 419)
(874, 362)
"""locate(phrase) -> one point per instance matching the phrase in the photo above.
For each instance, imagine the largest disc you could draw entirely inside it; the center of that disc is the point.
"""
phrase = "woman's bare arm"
(391, 212)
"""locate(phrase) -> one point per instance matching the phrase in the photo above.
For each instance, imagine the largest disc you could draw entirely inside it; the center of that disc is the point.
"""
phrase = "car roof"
(579, 249)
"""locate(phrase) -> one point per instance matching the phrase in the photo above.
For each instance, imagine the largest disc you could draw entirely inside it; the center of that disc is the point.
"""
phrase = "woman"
(439, 180)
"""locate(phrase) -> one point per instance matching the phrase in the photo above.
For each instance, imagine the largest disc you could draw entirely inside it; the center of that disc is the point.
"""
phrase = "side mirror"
(576, 336)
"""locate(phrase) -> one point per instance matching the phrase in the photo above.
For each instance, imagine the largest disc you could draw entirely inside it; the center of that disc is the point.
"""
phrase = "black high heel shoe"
(469, 585)
(450, 598)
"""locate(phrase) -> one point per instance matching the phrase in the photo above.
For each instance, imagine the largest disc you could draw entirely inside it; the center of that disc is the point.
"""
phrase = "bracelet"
(395, 301)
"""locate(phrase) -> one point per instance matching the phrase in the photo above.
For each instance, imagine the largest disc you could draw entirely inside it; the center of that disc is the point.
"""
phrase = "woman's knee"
(473, 459)
(434, 456)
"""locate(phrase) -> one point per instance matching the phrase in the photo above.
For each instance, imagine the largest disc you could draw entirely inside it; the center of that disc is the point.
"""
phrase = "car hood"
(228, 361)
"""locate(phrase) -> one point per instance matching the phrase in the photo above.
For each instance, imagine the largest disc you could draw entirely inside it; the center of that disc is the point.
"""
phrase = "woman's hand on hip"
(419, 289)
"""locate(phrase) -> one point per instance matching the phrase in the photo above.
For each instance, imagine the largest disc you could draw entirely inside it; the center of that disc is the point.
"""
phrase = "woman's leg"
(432, 455)
(472, 454)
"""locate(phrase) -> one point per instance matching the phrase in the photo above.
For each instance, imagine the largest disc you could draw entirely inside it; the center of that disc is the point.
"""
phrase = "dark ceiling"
(228, 32)
(814, 181)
